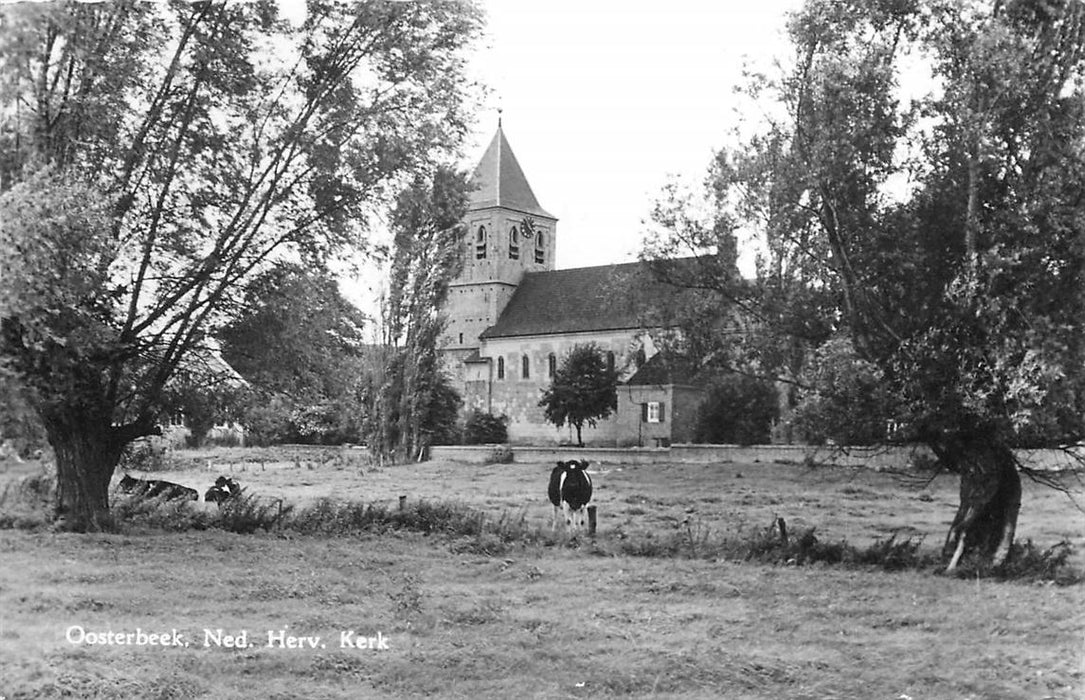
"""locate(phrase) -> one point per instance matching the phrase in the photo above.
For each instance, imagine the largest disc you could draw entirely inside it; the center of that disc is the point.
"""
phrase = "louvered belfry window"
(514, 244)
(480, 243)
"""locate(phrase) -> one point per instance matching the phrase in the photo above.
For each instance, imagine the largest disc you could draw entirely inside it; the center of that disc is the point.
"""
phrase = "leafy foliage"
(844, 399)
(739, 410)
(584, 390)
(300, 346)
(173, 153)
(485, 429)
(415, 404)
(942, 236)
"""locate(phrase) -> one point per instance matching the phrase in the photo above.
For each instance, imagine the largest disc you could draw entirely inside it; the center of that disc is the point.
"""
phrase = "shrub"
(485, 429)
(848, 403)
(246, 513)
(25, 503)
(739, 410)
(147, 454)
(158, 514)
(19, 424)
(1027, 562)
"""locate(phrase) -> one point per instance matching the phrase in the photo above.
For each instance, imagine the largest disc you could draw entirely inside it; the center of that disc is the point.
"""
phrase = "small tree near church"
(584, 390)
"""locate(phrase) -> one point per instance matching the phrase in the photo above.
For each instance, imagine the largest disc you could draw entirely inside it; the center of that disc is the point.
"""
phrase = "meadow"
(280, 614)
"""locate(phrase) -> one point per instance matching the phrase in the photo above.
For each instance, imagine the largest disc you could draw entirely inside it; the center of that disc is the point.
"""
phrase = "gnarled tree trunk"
(87, 453)
(986, 519)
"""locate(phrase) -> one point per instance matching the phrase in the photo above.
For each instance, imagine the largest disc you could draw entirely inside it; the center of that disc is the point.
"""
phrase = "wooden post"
(402, 502)
(591, 521)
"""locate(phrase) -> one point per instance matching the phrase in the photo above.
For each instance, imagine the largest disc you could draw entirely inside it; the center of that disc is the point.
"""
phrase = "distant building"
(512, 318)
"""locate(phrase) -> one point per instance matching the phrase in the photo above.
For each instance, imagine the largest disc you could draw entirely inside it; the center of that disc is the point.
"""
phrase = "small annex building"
(512, 317)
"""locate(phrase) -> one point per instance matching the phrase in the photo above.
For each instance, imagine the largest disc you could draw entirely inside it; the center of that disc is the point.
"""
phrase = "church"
(512, 317)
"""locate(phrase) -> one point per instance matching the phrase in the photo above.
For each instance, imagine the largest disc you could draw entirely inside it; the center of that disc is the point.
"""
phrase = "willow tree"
(156, 157)
(947, 229)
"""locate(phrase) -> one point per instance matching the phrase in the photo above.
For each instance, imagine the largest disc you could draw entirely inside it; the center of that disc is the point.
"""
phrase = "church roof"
(664, 368)
(608, 297)
(500, 182)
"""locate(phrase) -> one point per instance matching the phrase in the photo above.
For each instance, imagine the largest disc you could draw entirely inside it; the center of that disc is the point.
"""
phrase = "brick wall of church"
(518, 397)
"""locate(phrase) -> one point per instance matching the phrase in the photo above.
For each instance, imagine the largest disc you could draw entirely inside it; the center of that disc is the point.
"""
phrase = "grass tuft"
(1029, 564)
(140, 512)
(246, 513)
(25, 502)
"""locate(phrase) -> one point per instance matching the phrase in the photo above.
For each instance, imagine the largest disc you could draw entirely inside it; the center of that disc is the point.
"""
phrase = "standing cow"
(570, 492)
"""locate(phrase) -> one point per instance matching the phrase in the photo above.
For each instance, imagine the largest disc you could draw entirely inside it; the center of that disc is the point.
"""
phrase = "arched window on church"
(514, 244)
(525, 366)
(500, 368)
(480, 243)
(610, 361)
(540, 251)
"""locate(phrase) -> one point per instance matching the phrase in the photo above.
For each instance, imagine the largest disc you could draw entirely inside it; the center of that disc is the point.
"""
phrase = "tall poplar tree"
(416, 404)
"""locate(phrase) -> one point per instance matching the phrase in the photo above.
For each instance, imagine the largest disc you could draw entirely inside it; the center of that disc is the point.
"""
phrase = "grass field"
(550, 620)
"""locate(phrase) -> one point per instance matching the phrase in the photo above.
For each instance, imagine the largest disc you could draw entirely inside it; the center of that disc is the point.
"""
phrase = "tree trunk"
(87, 454)
(986, 519)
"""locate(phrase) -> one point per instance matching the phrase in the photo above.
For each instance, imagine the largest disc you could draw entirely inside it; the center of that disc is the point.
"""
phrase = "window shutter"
(662, 412)
(644, 413)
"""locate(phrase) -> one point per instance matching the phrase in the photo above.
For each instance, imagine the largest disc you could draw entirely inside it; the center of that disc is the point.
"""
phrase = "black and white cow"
(570, 492)
(225, 489)
(153, 488)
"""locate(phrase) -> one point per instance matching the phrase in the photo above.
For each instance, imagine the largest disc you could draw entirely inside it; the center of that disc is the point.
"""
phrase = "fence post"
(591, 521)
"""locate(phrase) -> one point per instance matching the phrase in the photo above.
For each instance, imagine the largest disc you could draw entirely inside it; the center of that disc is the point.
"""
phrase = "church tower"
(507, 234)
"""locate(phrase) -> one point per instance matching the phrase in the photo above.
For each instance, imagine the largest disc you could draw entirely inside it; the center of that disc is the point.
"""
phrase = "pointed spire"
(500, 182)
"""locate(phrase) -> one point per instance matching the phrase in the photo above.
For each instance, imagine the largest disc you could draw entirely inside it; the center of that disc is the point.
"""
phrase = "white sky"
(603, 100)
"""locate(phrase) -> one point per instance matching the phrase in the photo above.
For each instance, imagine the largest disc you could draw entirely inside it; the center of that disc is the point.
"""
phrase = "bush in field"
(275, 419)
(25, 502)
(246, 513)
(1027, 562)
(739, 410)
(485, 429)
(847, 402)
(267, 419)
(330, 518)
(157, 514)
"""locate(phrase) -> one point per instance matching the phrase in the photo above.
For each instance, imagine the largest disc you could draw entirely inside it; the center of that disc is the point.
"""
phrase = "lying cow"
(570, 492)
(154, 488)
(225, 489)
